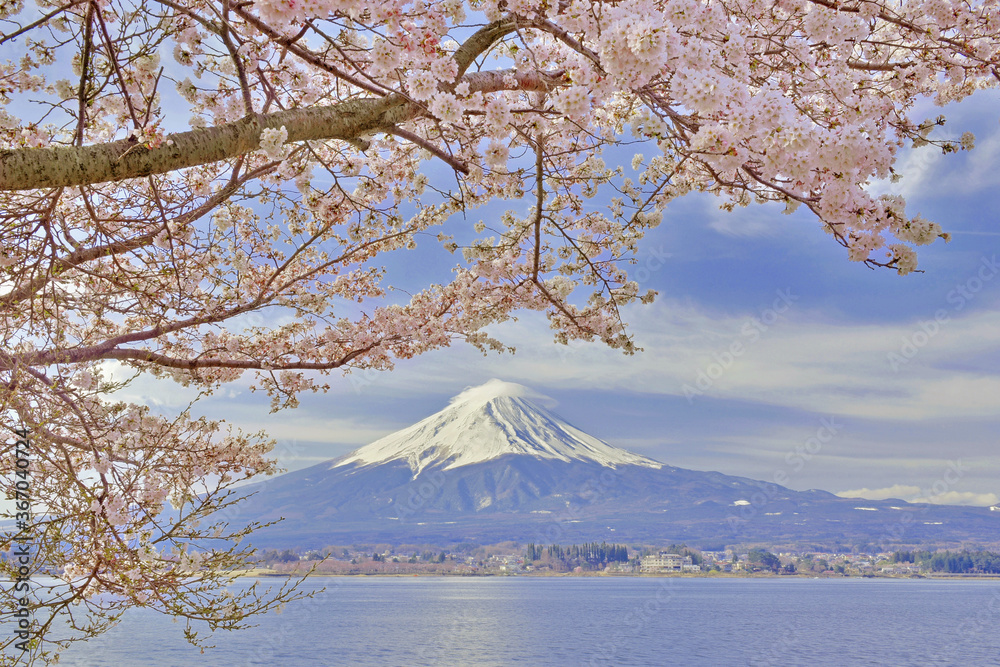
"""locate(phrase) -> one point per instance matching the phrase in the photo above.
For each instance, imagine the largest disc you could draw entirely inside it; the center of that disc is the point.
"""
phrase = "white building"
(665, 562)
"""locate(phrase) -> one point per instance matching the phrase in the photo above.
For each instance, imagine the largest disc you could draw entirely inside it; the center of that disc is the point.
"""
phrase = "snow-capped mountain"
(485, 423)
(495, 464)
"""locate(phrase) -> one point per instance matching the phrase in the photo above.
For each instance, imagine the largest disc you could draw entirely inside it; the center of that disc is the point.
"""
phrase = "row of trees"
(973, 562)
(590, 553)
(271, 556)
(426, 556)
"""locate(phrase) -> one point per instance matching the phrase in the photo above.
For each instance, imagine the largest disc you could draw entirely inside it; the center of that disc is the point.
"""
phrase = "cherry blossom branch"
(248, 364)
(32, 168)
(43, 20)
(80, 257)
(481, 41)
(539, 207)
(430, 148)
(60, 166)
(117, 67)
(563, 36)
(885, 16)
(226, 36)
(84, 71)
(305, 54)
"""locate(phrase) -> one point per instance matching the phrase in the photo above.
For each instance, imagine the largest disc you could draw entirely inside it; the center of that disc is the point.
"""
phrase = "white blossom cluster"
(272, 142)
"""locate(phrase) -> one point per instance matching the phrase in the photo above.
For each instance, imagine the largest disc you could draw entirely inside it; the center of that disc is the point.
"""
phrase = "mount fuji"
(496, 464)
(488, 422)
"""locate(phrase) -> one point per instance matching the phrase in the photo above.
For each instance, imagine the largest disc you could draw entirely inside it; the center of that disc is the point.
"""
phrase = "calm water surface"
(480, 622)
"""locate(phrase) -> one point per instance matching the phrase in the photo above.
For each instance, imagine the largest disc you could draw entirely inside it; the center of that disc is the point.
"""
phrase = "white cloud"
(761, 220)
(928, 173)
(145, 389)
(900, 491)
(961, 498)
(294, 429)
(914, 494)
(799, 361)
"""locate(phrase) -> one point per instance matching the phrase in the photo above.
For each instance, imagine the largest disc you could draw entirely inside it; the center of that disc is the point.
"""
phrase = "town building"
(667, 562)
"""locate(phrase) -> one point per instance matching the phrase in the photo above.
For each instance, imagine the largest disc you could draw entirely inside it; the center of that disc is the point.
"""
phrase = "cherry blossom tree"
(170, 167)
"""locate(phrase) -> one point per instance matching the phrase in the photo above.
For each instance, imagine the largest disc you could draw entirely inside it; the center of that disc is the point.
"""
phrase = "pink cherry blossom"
(224, 214)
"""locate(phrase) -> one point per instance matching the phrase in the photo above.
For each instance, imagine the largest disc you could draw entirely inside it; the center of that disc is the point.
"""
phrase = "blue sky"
(903, 371)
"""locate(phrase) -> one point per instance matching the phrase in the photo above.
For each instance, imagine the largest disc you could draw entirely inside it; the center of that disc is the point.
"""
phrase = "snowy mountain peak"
(485, 422)
(492, 389)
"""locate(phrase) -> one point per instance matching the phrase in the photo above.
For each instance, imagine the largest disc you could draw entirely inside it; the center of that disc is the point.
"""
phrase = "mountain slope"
(495, 465)
(484, 423)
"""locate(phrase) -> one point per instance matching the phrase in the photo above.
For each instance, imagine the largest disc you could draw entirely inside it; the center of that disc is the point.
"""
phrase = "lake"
(499, 621)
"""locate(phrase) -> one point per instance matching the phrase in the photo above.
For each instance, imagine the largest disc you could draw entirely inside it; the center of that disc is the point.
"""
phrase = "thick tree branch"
(61, 166)
(32, 168)
(481, 41)
(248, 364)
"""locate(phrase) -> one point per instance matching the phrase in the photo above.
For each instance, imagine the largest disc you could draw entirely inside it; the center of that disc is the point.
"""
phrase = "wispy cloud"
(766, 220)
(927, 173)
(900, 491)
(801, 360)
(914, 494)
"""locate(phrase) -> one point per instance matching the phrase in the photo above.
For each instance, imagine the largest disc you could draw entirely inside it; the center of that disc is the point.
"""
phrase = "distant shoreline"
(269, 574)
